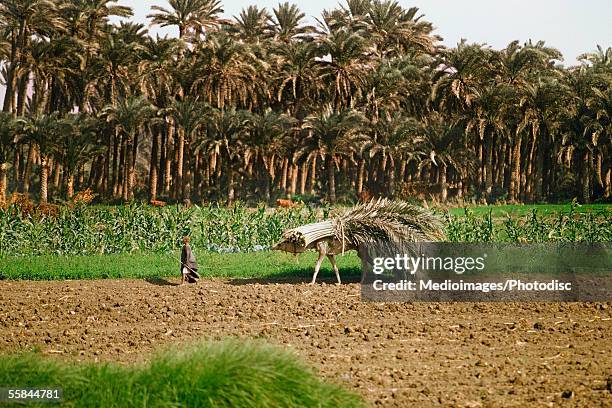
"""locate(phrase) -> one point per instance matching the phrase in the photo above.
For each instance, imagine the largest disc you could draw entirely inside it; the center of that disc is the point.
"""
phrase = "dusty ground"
(396, 355)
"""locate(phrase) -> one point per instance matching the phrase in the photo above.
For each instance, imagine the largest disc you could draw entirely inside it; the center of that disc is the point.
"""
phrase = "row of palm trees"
(264, 104)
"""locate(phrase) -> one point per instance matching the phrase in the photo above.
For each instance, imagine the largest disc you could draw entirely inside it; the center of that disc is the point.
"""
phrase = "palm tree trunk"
(133, 181)
(186, 187)
(360, 176)
(168, 166)
(285, 170)
(443, 184)
(117, 159)
(125, 169)
(598, 169)
(3, 183)
(179, 163)
(10, 74)
(515, 180)
(500, 165)
(268, 180)
(392, 175)
(402, 170)
(198, 162)
(539, 170)
(608, 183)
(153, 168)
(104, 185)
(25, 180)
(481, 174)
(294, 179)
(44, 175)
(17, 158)
(488, 167)
(529, 172)
(161, 169)
(22, 93)
(56, 175)
(303, 177)
(230, 183)
(313, 174)
(587, 178)
(331, 180)
(81, 176)
(70, 186)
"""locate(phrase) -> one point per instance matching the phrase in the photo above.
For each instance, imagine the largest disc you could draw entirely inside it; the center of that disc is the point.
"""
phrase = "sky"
(573, 27)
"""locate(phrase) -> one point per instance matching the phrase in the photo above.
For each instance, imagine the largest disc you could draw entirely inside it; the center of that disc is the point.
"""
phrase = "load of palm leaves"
(379, 220)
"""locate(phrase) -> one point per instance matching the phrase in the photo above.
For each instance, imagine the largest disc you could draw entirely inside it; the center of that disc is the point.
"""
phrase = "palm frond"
(381, 220)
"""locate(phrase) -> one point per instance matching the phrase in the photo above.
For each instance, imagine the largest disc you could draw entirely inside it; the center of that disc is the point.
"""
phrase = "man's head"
(185, 240)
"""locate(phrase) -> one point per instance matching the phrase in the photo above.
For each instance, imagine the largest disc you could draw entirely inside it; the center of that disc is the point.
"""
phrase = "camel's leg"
(318, 266)
(333, 262)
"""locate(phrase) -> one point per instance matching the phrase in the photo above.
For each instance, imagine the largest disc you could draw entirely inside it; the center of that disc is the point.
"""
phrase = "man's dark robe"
(188, 261)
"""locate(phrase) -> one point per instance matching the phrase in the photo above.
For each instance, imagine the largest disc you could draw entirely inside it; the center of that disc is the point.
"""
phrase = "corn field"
(132, 228)
(84, 230)
(569, 226)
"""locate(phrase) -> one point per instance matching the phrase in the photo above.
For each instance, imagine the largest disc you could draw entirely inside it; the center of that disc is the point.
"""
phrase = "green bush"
(219, 374)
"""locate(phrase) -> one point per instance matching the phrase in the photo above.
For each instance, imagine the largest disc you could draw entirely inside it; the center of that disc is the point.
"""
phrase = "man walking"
(189, 266)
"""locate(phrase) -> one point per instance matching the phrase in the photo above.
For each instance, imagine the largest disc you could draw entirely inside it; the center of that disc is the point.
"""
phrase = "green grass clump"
(262, 265)
(212, 374)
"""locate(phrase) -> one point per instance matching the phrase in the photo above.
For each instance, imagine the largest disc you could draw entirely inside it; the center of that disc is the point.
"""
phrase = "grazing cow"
(286, 203)
(364, 196)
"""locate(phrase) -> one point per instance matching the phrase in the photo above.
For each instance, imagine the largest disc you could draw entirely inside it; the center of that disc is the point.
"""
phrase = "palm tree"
(296, 74)
(23, 19)
(128, 115)
(397, 31)
(7, 146)
(601, 60)
(193, 17)
(267, 140)
(599, 127)
(443, 147)
(252, 24)
(43, 131)
(189, 116)
(76, 145)
(488, 119)
(227, 73)
(541, 103)
(332, 136)
(224, 139)
(458, 77)
(286, 24)
(391, 139)
(345, 74)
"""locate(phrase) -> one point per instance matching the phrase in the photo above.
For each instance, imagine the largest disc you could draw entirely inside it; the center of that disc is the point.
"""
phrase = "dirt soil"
(394, 354)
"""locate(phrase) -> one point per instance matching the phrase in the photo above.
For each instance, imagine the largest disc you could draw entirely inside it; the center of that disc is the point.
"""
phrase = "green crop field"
(139, 241)
(519, 210)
